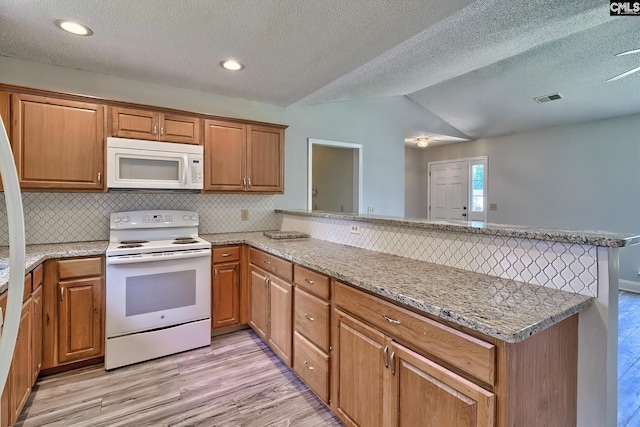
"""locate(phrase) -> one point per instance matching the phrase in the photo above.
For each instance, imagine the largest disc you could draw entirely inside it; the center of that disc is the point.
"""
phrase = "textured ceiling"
(475, 64)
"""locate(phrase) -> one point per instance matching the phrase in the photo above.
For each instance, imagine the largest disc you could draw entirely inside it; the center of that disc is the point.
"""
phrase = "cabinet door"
(57, 144)
(36, 328)
(181, 129)
(130, 123)
(258, 302)
(280, 315)
(359, 372)
(21, 366)
(225, 146)
(80, 319)
(426, 394)
(225, 306)
(265, 159)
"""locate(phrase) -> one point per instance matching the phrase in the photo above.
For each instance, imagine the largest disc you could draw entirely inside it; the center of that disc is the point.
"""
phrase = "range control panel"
(153, 219)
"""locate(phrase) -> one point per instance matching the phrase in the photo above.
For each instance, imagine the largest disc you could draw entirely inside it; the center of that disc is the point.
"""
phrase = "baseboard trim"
(629, 285)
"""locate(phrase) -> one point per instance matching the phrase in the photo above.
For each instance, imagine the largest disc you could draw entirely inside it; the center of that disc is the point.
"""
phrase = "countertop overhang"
(582, 237)
(505, 309)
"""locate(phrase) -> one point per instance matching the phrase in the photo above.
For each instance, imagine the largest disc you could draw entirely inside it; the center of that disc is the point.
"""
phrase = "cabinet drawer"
(312, 318)
(312, 365)
(226, 254)
(82, 267)
(463, 351)
(272, 264)
(315, 283)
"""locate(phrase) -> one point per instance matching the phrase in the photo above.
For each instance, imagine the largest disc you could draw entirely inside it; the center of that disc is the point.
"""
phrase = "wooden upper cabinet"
(142, 124)
(265, 159)
(225, 151)
(57, 144)
(243, 158)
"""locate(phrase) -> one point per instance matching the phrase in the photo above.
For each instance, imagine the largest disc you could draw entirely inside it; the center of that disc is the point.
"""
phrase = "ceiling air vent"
(548, 98)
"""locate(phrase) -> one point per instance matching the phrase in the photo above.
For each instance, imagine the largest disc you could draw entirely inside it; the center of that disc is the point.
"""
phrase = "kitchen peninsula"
(500, 311)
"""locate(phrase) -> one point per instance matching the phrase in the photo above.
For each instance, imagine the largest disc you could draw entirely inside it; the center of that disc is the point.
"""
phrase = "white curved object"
(15, 218)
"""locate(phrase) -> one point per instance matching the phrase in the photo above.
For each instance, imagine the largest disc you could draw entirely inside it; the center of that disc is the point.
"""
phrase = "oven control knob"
(193, 217)
(116, 219)
(186, 217)
(125, 219)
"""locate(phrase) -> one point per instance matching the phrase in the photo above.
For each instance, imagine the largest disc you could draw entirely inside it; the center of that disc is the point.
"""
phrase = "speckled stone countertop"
(505, 309)
(37, 254)
(583, 237)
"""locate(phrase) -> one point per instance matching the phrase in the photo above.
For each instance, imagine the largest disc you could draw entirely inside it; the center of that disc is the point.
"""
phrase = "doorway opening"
(457, 189)
(334, 176)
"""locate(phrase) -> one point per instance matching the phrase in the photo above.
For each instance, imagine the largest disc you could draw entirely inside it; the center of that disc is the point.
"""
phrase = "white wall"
(415, 182)
(333, 178)
(378, 124)
(583, 176)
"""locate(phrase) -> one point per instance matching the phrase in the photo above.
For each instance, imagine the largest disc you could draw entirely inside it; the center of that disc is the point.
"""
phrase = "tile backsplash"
(72, 217)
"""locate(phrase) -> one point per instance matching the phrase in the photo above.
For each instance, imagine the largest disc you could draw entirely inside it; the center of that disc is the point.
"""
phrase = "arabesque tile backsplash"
(72, 217)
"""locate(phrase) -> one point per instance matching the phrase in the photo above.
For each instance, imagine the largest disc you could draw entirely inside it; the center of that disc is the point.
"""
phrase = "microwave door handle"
(185, 171)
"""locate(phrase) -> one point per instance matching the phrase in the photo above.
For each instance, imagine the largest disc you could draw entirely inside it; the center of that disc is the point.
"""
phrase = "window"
(477, 188)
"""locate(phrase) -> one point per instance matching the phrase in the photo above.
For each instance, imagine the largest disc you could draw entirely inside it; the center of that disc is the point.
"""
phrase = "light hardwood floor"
(628, 359)
(237, 381)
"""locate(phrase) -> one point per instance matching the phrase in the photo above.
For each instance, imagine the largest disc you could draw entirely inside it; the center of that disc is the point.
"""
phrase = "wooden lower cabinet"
(80, 319)
(225, 306)
(36, 329)
(258, 301)
(424, 393)
(378, 382)
(73, 314)
(280, 314)
(20, 373)
(359, 372)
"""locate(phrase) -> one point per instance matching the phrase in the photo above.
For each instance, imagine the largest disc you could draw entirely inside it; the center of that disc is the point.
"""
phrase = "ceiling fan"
(626, 73)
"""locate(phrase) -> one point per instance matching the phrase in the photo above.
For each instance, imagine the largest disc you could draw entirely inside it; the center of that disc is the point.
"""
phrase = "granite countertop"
(505, 309)
(582, 237)
(37, 254)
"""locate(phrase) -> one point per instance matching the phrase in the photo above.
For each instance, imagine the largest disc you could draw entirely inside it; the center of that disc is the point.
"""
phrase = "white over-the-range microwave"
(135, 164)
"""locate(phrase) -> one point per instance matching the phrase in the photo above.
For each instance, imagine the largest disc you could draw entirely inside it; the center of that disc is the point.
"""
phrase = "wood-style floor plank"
(628, 359)
(237, 381)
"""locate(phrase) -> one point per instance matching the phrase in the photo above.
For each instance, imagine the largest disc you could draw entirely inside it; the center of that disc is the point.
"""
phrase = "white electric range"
(158, 286)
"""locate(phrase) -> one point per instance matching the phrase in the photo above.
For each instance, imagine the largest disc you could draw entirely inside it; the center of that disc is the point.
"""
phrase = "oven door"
(151, 291)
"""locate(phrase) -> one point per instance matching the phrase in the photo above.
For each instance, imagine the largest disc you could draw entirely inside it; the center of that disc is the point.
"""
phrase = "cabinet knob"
(309, 281)
(393, 363)
(99, 177)
(61, 294)
(390, 320)
(385, 356)
(155, 130)
(309, 318)
(308, 366)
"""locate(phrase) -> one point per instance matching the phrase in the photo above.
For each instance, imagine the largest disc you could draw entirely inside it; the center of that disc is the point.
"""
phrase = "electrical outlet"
(244, 215)
(369, 210)
(493, 206)
(355, 229)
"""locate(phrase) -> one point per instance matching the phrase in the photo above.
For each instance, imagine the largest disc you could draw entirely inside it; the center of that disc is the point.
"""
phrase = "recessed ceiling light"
(231, 65)
(74, 27)
(422, 142)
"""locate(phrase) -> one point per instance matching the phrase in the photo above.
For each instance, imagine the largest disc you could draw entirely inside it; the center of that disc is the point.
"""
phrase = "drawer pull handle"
(390, 320)
(385, 356)
(311, 319)
(309, 281)
(308, 366)
(393, 363)
(267, 262)
(225, 255)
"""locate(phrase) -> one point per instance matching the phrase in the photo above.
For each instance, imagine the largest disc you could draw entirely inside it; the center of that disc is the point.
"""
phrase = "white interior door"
(449, 191)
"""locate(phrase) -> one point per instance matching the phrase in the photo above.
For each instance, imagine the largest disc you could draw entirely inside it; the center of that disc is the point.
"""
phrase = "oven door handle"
(160, 256)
